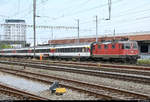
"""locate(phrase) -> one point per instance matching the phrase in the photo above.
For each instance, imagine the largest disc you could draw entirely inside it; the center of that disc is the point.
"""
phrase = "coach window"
(71, 49)
(37, 51)
(47, 50)
(80, 50)
(23, 51)
(83, 49)
(40, 50)
(66, 50)
(76, 49)
(105, 46)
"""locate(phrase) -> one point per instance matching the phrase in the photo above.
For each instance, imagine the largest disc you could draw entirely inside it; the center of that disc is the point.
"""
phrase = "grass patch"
(143, 62)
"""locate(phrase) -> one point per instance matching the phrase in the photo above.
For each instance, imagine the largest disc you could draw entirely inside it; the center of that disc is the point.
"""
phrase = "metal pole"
(34, 23)
(52, 36)
(78, 41)
(109, 8)
(96, 29)
(114, 34)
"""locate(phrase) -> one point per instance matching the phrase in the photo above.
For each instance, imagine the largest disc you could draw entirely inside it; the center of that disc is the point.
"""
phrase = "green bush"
(143, 61)
(4, 46)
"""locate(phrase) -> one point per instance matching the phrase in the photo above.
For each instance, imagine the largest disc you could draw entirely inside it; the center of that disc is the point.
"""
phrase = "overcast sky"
(126, 16)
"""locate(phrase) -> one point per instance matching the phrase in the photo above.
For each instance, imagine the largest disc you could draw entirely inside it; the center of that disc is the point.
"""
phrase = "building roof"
(14, 21)
(141, 37)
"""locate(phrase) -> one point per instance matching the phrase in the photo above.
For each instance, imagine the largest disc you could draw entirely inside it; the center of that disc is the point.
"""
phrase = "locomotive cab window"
(134, 46)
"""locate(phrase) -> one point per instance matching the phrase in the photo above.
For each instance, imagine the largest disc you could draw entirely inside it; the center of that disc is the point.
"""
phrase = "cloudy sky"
(126, 16)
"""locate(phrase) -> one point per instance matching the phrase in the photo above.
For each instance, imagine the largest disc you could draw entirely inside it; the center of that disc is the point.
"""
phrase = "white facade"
(15, 30)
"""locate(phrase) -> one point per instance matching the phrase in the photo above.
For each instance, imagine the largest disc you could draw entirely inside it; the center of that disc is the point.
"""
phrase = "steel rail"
(19, 93)
(89, 64)
(121, 76)
(85, 84)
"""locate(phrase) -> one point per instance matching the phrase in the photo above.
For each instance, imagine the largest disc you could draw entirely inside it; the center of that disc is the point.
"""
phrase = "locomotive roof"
(109, 42)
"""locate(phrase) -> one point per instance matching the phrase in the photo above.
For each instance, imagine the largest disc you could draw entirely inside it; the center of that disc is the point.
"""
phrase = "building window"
(144, 48)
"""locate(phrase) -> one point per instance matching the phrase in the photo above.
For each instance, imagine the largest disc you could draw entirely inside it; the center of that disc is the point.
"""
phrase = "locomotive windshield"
(127, 46)
(134, 45)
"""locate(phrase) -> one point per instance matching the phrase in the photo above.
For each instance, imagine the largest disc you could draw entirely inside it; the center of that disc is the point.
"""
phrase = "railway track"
(20, 94)
(144, 79)
(83, 64)
(138, 70)
(99, 91)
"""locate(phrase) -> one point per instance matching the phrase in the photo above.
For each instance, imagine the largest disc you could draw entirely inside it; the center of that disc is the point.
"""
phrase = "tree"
(4, 46)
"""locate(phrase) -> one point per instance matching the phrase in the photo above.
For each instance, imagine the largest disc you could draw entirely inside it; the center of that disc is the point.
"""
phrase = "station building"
(142, 39)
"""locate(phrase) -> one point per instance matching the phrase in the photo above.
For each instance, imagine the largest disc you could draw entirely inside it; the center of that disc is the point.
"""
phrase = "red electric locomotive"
(120, 50)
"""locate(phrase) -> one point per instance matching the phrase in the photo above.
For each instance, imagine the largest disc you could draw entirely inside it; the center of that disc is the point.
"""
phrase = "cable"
(86, 10)
(70, 7)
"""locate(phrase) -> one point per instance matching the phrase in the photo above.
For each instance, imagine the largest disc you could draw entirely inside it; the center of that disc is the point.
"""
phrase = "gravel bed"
(6, 97)
(136, 87)
(69, 95)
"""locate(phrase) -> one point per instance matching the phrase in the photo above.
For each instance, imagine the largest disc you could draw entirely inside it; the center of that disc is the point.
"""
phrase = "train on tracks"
(107, 50)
